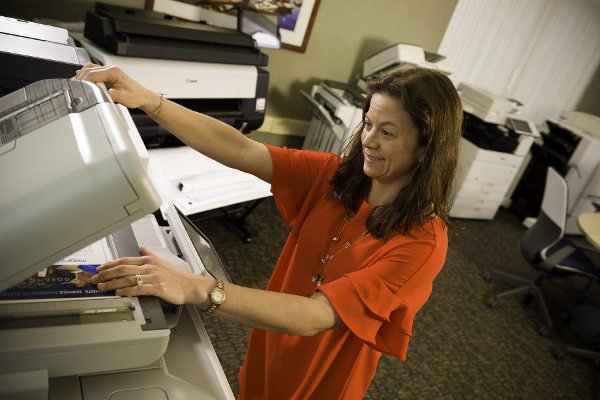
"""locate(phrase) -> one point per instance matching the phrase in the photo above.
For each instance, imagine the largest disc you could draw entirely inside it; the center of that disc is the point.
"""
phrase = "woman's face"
(389, 142)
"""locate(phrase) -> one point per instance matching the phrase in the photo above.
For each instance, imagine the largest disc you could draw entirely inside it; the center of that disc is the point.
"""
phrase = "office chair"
(585, 321)
(547, 251)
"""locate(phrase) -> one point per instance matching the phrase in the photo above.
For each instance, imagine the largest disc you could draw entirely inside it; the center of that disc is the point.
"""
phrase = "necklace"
(320, 276)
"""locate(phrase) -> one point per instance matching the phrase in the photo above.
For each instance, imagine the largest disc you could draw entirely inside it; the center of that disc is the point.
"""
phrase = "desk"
(589, 223)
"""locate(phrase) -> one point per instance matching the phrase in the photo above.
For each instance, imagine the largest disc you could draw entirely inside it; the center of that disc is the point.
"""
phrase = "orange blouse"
(376, 287)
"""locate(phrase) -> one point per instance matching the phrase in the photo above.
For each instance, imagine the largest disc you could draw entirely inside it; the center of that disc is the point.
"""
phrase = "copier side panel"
(582, 164)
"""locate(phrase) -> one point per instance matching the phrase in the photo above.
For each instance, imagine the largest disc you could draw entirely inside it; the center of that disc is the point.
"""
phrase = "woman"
(369, 236)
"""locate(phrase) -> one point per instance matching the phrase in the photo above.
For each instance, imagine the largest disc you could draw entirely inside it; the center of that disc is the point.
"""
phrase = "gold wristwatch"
(217, 297)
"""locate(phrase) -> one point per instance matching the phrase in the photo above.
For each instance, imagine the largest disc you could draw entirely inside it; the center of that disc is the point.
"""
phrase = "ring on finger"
(138, 280)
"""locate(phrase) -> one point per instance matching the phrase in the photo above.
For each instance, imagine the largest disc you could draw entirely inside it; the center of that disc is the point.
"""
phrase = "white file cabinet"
(483, 179)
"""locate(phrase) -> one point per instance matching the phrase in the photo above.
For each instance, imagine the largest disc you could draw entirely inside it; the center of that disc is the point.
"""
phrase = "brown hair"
(435, 108)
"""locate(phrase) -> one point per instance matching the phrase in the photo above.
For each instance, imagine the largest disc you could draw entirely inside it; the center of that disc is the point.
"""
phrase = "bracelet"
(160, 106)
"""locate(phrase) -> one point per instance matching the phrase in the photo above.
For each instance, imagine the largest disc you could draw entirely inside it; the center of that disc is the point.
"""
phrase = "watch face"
(218, 296)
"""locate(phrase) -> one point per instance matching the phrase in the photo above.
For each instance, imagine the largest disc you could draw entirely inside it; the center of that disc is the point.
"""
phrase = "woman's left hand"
(160, 278)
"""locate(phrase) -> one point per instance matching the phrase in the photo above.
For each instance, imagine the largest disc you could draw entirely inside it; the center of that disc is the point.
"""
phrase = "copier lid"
(71, 174)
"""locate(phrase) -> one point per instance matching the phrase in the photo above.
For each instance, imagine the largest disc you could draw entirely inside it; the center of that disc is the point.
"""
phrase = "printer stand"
(236, 214)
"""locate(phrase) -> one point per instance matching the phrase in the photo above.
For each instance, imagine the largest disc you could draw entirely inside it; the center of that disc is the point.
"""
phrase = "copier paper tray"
(143, 33)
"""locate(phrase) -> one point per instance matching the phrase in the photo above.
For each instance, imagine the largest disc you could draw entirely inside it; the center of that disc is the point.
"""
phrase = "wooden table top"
(589, 223)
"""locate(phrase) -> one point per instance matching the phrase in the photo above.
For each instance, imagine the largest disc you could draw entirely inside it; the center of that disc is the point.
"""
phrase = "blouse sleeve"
(294, 174)
(378, 303)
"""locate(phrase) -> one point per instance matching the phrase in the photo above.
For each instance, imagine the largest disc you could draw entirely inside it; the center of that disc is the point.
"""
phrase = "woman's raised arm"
(206, 135)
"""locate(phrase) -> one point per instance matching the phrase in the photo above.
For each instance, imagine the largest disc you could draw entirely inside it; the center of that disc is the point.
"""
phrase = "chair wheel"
(487, 277)
(558, 354)
(543, 331)
(492, 302)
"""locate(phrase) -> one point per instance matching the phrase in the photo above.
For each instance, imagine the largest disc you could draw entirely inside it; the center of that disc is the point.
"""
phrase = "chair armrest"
(549, 263)
(581, 243)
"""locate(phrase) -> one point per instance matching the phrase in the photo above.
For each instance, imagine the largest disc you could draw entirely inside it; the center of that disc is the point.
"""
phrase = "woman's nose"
(368, 138)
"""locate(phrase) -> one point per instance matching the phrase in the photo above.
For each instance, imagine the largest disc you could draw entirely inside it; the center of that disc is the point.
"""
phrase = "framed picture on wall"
(295, 28)
(296, 17)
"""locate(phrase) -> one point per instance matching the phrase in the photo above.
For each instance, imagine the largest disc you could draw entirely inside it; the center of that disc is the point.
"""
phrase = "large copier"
(494, 146)
(400, 56)
(337, 107)
(337, 111)
(72, 176)
(209, 69)
(30, 52)
(571, 145)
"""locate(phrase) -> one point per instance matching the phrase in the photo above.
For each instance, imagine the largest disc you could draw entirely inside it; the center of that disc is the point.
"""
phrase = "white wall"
(540, 52)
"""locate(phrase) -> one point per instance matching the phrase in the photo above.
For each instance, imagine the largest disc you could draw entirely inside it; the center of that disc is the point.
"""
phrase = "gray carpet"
(460, 349)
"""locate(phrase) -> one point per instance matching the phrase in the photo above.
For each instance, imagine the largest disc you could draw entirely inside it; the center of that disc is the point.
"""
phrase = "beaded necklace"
(320, 276)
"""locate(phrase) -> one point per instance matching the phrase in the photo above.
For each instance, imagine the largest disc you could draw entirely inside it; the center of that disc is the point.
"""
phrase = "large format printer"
(212, 70)
(135, 32)
(571, 145)
(494, 146)
(73, 176)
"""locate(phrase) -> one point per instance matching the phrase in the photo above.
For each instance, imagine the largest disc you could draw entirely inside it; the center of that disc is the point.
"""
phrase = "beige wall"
(345, 32)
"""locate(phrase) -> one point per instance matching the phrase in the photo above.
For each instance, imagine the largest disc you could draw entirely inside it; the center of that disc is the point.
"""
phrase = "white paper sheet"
(95, 253)
(211, 184)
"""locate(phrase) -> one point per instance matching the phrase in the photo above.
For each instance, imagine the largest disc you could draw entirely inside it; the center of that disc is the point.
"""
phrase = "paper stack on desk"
(195, 183)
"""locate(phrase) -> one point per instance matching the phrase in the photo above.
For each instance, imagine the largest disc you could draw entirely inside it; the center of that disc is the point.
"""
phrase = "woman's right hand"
(121, 87)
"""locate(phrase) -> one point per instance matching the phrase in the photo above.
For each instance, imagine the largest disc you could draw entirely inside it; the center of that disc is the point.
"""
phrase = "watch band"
(217, 296)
